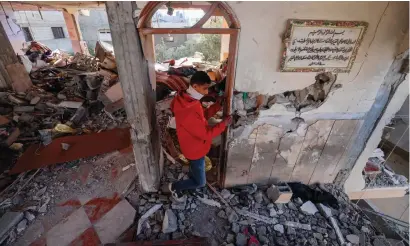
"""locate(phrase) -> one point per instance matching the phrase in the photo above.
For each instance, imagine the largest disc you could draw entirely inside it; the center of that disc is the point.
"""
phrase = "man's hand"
(228, 120)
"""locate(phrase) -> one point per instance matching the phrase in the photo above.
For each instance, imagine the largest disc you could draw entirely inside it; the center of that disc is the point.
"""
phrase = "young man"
(194, 134)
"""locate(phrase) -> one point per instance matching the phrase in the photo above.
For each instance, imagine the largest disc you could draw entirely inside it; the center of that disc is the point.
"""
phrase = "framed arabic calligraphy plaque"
(321, 45)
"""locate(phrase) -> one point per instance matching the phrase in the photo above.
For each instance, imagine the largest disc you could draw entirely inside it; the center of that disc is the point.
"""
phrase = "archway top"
(210, 9)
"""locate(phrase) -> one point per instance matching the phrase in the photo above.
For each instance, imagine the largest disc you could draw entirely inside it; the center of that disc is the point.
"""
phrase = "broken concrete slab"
(258, 217)
(309, 208)
(279, 228)
(22, 109)
(147, 214)
(16, 100)
(298, 225)
(80, 147)
(327, 212)
(209, 202)
(170, 222)
(352, 238)
(35, 100)
(69, 104)
(21, 226)
(8, 221)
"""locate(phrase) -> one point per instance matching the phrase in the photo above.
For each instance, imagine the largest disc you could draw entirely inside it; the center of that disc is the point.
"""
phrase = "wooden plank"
(146, 31)
(139, 98)
(207, 15)
(344, 159)
(227, 110)
(286, 157)
(335, 147)
(373, 193)
(239, 161)
(315, 140)
(266, 145)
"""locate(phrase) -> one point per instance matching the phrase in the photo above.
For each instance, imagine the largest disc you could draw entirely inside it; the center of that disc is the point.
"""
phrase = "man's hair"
(200, 78)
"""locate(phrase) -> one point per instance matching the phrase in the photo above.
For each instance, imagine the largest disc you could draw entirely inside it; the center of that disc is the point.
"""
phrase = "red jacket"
(194, 134)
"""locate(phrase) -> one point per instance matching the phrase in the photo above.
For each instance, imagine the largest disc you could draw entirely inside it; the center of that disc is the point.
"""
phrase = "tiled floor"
(90, 209)
(99, 220)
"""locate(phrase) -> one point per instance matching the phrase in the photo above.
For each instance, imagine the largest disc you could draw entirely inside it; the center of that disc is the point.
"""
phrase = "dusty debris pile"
(71, 95)
(35, 197)
(251, 214)
(377, 173)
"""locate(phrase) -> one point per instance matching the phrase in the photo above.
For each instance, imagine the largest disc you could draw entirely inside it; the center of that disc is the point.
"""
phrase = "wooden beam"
(375, 193)
(230, 83)
(146, 31)
(139, 98)
(206, 17)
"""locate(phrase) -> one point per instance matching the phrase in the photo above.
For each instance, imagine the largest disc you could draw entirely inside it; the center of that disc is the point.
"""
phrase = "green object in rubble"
(244, 95)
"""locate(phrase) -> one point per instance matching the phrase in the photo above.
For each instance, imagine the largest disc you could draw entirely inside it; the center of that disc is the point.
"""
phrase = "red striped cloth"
(174, 82)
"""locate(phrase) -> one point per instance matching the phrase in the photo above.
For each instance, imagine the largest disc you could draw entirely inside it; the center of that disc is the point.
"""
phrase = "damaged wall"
(312, 151)
(260, 49)
(271, 146)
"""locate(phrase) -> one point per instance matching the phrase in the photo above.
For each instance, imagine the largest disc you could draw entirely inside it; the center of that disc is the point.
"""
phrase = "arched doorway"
(231, 29)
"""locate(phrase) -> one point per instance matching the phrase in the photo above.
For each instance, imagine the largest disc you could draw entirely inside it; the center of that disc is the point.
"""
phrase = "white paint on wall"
(13, 31)
(260, 48)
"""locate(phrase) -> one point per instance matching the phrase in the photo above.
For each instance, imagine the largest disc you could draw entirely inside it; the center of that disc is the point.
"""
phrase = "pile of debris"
(378, 174)
(36, 197)
(74, 97)
(270, 215)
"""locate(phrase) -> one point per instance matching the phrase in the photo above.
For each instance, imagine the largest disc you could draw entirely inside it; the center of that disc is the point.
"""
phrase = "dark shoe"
(178, 197)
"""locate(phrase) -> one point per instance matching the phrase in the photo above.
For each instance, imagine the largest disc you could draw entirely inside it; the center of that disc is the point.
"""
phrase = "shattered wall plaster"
(260, 51)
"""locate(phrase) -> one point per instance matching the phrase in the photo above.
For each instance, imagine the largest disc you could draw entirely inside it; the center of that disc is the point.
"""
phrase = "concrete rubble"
(66, 98)
(378, 174)
(36, 196)
(246, 215)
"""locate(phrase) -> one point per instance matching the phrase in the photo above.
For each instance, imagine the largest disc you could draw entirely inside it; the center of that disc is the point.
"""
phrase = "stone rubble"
(292, 223)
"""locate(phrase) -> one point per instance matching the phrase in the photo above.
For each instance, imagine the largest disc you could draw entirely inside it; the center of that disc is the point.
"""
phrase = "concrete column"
(74, 31)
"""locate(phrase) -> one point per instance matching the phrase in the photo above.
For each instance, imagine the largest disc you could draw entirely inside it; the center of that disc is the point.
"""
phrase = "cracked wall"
(311, 151)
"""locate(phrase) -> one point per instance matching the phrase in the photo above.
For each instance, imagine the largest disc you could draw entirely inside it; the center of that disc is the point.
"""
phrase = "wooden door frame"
(146, 33)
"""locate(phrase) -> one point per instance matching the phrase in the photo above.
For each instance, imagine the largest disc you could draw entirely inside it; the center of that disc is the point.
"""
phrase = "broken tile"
(115, 222)
(96, 208)
(69, 229)
(88, 237)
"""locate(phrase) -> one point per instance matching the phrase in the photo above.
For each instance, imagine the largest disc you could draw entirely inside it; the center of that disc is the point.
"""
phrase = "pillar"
(139, 96)
(74, 31)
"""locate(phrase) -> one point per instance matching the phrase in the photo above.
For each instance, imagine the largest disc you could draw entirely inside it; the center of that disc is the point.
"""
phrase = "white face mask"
(193, 93)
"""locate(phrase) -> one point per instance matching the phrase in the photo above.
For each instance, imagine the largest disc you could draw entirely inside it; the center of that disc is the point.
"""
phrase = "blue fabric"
(197, 177)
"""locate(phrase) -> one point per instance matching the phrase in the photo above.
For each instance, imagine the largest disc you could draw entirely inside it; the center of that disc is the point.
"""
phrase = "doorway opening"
(178, 39)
